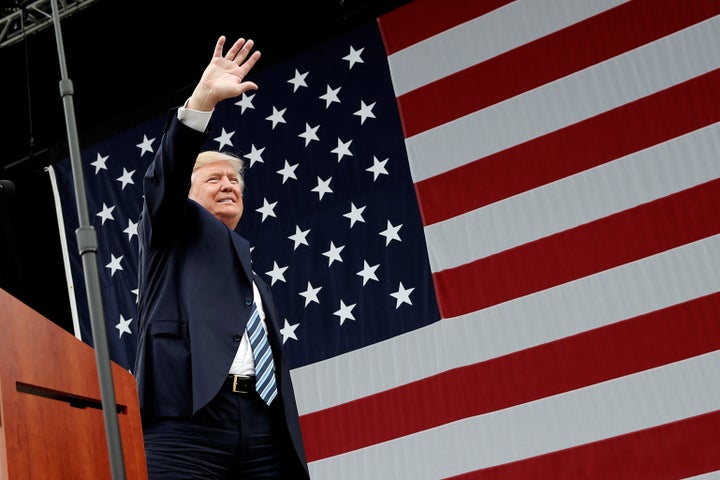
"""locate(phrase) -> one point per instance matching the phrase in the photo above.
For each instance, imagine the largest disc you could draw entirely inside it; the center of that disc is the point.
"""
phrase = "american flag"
(492, 230)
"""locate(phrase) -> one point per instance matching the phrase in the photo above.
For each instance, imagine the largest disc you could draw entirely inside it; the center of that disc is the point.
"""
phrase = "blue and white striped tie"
(264, 368)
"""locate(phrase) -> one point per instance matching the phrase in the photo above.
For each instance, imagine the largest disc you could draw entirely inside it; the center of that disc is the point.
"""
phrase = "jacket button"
(237, 337)
(248, 301)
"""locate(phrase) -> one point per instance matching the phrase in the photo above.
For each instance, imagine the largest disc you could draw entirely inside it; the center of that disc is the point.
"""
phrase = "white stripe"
(485, 37)
(624, 292)
(707, 476)
(584, 94)
(624, 405)
(610, 188)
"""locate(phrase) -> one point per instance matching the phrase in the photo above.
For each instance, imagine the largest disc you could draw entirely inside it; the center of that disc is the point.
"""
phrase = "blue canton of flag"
(330, 208)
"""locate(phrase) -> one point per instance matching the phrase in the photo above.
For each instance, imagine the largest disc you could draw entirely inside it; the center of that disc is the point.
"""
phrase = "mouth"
(227, 200)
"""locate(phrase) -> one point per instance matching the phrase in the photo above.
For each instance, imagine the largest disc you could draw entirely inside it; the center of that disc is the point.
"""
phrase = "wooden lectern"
(51, 419)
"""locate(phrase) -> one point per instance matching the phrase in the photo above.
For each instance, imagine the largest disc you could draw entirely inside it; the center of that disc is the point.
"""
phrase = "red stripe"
(633, 234)
(676, 450)
(684, 331)
(547, 59)
(420, 19)
(597, 140)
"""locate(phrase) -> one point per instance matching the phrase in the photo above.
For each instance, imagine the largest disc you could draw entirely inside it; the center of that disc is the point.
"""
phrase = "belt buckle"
(235, 383)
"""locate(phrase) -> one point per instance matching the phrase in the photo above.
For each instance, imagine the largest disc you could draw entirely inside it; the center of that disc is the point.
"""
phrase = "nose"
(226, 184)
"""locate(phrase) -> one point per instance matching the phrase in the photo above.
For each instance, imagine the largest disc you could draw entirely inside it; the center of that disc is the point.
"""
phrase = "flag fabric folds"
(492, 231)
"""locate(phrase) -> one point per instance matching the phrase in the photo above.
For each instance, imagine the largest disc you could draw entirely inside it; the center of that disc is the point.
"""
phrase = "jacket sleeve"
(167, 181)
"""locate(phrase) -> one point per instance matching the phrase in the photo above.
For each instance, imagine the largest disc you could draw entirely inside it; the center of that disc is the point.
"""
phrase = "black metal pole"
(87, 246)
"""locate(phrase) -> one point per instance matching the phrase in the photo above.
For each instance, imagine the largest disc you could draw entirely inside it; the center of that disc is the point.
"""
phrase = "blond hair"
(210, 156)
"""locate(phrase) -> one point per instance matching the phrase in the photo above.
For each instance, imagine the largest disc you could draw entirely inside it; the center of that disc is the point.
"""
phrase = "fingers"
(240, 51)
(219, 46)
(244, 52)
(250, 63)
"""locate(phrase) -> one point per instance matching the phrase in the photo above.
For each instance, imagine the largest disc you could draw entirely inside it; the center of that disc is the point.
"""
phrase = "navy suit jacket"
(195, 293)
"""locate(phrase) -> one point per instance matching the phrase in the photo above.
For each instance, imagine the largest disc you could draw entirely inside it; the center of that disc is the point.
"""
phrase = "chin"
(228, 218)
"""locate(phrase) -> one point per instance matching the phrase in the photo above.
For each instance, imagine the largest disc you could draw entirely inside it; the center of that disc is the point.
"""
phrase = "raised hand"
(224, 77)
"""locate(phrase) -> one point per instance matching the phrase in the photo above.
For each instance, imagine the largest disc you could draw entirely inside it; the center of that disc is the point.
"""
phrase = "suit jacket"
(195, 293)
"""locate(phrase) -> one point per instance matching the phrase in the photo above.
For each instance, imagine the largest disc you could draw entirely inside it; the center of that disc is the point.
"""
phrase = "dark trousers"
(236, 436)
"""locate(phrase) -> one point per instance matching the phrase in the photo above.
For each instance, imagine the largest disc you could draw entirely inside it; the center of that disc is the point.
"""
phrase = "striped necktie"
(264, 369)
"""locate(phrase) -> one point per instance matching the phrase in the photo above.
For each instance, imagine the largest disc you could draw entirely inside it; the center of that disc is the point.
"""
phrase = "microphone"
(6, 188)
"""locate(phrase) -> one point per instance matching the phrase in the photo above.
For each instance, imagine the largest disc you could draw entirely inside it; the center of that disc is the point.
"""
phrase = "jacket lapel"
(242, 250)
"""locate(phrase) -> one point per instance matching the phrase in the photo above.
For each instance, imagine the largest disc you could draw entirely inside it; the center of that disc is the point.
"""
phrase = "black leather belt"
(240, 383)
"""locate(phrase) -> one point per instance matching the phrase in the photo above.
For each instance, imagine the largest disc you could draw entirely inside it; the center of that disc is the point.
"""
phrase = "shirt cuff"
(195, 119)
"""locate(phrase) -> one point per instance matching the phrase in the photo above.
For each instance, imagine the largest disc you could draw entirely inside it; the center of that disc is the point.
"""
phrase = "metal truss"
(25, 18)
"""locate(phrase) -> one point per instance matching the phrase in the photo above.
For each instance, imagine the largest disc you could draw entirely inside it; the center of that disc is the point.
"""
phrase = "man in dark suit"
(205, 412)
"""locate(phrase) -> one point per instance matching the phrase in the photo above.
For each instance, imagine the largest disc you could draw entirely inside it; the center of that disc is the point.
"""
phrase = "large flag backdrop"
(492, 229)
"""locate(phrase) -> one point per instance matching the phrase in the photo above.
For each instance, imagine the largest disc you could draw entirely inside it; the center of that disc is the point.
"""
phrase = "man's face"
(217, 187)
